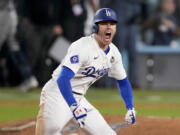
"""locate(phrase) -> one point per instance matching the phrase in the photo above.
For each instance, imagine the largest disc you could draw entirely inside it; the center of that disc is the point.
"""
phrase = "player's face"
(106, 32)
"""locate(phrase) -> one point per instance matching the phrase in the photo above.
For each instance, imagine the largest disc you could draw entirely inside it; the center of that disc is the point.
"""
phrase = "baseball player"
(87, 60)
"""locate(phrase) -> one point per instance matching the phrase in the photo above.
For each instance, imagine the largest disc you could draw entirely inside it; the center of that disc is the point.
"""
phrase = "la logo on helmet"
(108, 13)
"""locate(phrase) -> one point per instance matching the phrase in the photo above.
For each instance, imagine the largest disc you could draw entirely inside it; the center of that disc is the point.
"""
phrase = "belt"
(77, 93)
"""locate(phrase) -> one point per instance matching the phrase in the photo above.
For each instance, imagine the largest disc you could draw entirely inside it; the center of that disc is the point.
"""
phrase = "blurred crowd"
(29, 29)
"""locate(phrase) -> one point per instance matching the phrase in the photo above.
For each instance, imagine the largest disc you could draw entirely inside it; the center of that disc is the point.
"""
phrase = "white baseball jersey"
(89, 63)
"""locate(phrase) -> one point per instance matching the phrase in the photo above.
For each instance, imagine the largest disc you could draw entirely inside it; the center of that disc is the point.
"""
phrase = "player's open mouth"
(108, 35)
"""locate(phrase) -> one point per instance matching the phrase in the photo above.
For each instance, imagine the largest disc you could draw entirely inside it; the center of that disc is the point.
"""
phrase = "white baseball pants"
(54, 113)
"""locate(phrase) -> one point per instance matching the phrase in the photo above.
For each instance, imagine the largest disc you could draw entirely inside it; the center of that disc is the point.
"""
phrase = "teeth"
(108, 33)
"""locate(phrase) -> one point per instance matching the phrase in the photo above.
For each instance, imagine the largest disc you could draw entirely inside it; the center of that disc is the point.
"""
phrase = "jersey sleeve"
(75, 57)
(117, 70)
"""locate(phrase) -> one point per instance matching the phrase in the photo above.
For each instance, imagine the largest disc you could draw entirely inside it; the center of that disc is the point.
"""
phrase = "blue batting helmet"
(103, 14)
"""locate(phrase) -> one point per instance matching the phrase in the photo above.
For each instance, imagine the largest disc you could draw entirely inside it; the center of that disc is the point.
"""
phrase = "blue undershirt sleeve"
(64, 85)
(126, 92)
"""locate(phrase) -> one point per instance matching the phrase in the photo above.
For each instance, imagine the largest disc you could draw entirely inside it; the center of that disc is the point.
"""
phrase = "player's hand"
(79, 114)
(130, 117)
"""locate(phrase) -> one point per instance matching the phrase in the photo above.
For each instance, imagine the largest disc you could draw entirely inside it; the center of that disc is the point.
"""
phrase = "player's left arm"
(118, 72)
(127, 95)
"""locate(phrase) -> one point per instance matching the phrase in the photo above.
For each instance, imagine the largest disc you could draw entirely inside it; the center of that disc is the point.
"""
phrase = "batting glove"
(79, 114)
(130, 117)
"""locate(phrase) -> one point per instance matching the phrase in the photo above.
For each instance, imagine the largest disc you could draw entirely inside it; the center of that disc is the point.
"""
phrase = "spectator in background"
(163, 24)
(128, 12)
(150, 6)
(177, 12)
(75, 16)
(41, 22)
(177, 15)
(10, 49)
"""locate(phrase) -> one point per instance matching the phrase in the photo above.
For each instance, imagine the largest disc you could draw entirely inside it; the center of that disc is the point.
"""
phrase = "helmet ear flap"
(95, 28)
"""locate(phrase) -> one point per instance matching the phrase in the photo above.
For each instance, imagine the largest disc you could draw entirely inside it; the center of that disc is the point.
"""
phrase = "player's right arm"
(64, 85)
(72, 62)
